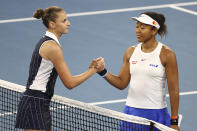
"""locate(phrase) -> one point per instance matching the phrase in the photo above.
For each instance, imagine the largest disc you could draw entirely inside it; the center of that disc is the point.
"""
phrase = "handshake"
(98, 64)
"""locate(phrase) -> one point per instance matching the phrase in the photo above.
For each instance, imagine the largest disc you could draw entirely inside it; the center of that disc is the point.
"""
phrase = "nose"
(68, 24)
(137, 30)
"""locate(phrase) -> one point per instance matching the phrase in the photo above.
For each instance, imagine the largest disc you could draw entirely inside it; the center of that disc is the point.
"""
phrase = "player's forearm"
(115, 81)
(78, 79)
(174, 100)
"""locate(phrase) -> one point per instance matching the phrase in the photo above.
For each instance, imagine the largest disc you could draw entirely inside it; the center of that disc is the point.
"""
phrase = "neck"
(149, 45)
(58, 35)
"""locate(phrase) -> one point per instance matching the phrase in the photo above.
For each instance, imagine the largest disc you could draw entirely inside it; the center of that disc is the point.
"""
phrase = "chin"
(65, 32)
(139, 40)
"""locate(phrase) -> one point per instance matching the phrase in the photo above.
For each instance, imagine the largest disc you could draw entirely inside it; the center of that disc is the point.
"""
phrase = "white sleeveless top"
(147, 83)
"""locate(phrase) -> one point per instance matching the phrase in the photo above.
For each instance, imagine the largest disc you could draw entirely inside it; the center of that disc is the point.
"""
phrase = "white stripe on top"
(45, 69)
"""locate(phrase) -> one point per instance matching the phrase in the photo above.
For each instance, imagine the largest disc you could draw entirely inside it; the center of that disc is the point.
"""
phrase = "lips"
(138, 36)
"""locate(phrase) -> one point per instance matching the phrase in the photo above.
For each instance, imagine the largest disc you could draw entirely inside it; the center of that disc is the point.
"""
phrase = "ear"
(52, 24)
(154, 31)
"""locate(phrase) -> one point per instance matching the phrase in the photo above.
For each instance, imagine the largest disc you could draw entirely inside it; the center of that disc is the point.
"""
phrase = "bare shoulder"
(130, 51)
(167, 51)
(51, 46)
(131, 48)
(167, 55)
(50, 49)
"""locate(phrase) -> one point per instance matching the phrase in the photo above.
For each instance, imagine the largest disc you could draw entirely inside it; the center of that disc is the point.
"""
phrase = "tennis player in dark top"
(46, 64)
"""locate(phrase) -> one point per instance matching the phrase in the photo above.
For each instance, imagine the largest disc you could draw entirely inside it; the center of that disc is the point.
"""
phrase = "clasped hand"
(98, 64)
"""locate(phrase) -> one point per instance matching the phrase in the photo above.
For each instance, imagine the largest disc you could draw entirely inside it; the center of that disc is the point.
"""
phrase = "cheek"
(61, 27)
(146, 33)
(64, 28)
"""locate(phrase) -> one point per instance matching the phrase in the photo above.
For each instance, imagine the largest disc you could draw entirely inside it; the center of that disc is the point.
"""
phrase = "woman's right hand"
(98, 64)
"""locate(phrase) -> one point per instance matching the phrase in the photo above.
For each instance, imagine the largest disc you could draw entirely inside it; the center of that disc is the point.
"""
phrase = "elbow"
(69, 85)
(121, 87)
(174, 90)
(122, 84)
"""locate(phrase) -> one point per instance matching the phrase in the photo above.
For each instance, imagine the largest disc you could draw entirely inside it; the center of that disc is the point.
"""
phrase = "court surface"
(100, 28)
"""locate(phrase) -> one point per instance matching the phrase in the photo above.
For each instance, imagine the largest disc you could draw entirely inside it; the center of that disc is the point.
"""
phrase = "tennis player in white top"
(146, 67)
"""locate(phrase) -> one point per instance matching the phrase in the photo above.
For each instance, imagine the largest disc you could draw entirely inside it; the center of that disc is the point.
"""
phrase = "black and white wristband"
(103, 73)
(174, 121)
